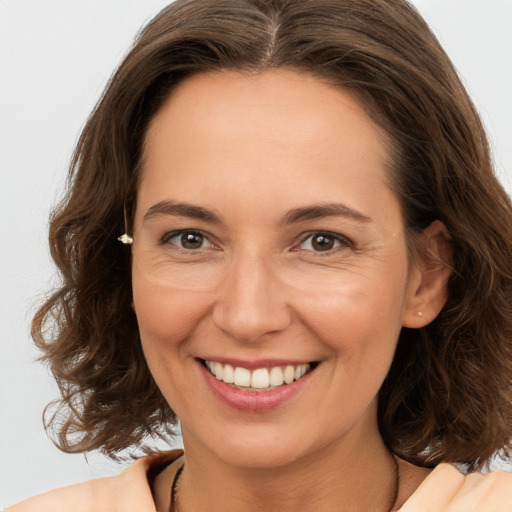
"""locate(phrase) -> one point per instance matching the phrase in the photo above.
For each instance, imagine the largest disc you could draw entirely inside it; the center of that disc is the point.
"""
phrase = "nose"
(251, 302)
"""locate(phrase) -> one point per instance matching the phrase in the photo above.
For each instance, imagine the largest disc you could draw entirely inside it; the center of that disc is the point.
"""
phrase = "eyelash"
(342, 241)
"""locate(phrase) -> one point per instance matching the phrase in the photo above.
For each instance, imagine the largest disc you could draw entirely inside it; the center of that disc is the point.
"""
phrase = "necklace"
(175, 491)
(396, 489)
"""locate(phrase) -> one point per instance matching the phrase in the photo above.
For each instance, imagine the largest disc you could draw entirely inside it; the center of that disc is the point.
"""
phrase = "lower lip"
(253, 401)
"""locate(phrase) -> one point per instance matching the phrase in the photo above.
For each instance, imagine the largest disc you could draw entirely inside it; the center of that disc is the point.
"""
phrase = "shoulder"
(129, 491)
(80, 497)
(446, 488)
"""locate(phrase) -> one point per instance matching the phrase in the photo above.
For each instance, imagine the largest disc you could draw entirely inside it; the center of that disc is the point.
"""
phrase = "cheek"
(359, 327)
(356, 314)
(166, 316)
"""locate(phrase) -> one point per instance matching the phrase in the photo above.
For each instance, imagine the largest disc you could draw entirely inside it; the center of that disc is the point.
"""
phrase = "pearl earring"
(126, 239)
(420, 313)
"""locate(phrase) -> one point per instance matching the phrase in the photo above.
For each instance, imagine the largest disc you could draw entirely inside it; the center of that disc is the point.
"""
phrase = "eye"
(187, 240)
(324, 242)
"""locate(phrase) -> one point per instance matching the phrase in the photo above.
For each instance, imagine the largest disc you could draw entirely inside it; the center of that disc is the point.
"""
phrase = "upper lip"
(255, 363)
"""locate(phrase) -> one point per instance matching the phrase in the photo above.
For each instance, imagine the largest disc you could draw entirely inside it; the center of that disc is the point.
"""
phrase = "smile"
(257, 379)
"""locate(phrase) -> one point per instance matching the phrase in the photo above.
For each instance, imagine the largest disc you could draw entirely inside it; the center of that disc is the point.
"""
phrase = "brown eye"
(324, 242)
(189, 240)
(192, 240)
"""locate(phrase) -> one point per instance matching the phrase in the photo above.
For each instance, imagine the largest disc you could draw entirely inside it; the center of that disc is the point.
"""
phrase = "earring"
(420, 313)
(126, 239)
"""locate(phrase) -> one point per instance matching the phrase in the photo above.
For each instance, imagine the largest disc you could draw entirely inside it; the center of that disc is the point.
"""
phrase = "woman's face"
(268, 243)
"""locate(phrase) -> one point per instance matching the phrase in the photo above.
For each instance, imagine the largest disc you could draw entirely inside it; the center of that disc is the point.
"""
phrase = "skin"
(250, 149)
(245, 147)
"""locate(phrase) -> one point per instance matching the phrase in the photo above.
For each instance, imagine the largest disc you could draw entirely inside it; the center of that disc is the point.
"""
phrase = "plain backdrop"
(55, 58)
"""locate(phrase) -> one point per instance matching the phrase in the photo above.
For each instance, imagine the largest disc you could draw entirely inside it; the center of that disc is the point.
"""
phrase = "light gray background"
(55, 58)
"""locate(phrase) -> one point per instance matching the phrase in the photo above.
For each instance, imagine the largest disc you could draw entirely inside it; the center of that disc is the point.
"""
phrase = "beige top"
(130, 491)
(152, 477)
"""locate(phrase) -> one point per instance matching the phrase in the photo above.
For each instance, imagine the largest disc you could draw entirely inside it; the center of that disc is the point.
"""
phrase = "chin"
(260, 446)
(257, 455)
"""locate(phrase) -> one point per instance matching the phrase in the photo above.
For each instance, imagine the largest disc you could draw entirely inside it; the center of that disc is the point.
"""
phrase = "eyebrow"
(322, 211)
(169, 207)
(182, 209)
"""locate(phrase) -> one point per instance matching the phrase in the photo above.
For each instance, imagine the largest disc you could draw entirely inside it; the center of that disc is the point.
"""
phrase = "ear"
(428, 281)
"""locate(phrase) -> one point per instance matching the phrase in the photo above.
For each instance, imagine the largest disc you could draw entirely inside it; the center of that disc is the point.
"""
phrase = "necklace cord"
(397, 483)
(175, 490)
(175, 494)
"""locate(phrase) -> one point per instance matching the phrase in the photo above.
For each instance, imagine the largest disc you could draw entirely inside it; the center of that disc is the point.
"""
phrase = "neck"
(353, 475)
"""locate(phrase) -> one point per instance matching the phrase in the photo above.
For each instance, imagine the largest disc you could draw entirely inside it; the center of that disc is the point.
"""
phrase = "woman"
(313, 269)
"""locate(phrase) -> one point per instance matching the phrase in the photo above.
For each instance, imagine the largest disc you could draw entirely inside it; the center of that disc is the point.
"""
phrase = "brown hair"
(448, 395)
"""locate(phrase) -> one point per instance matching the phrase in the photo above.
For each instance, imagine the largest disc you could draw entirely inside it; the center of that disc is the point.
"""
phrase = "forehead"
(272, 104)
(285, 135)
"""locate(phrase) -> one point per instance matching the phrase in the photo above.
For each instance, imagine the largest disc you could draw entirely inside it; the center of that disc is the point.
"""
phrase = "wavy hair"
(448, 395)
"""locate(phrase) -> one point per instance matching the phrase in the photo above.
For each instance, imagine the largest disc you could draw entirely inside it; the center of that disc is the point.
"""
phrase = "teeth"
(218, 370)
(289, 374)
(259, 378)
(242, 377)
(276, 376)
(228, 375)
